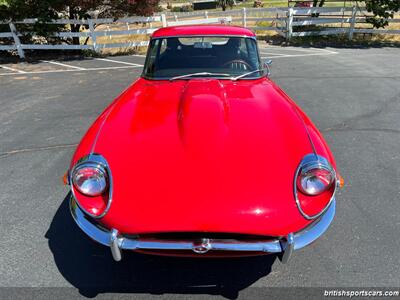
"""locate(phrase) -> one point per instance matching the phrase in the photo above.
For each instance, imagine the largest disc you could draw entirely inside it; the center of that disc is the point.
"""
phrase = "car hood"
(203, 155)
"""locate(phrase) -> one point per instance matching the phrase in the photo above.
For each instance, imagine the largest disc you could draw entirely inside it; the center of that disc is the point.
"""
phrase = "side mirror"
(267, 64)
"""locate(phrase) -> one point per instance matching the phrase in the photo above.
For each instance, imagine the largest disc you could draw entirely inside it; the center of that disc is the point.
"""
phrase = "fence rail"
(287, 22)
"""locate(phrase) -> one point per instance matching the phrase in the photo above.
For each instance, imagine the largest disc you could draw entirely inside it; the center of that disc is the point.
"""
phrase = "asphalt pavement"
(352, 95)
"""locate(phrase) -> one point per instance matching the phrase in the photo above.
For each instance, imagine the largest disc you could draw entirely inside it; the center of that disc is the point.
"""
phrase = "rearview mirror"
(202, 45)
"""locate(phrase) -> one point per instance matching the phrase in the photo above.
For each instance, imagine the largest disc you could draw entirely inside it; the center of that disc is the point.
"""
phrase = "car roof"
(189, 30)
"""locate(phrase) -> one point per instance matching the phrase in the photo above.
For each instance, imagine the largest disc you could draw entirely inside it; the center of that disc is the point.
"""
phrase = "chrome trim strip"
(323, 163)
(306, 129)
(102, 162)
(293, 241)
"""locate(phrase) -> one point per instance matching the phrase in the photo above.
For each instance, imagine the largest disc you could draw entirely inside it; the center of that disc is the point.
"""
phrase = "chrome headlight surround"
(96, 161)
(310, 162)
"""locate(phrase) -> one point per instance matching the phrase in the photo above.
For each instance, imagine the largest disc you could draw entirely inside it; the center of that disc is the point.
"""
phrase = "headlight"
(90, 179)
(91, 185)
(314, 186)
(315, 180)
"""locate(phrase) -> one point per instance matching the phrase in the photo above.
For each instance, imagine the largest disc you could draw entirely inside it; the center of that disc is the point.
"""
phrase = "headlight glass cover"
(90, 179)
(315, 184)
(316, 180)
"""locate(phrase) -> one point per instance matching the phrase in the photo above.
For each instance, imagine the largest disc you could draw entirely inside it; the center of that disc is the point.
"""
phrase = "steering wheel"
(237, 64)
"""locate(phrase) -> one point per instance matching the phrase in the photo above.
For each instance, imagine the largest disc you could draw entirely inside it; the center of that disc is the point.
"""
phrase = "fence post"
(108, 30)
(206, 14)
(244, 22)
(17, 41)
(92, 34)
(289, 22)
(353, 22)
(163, 20)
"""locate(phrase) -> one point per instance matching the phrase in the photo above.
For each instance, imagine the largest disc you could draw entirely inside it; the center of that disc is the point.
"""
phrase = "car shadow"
(90, 268)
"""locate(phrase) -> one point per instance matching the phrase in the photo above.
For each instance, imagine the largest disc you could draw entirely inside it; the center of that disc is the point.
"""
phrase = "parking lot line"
(72, 70)
(266, 51)
(41, 148)
(63, 65)
(119, 62)
(301, 55)
(12, 69)
(270, 56)
(271, 53)
(296, 49)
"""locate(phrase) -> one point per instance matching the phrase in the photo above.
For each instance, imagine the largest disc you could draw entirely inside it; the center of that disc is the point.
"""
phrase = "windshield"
(216, 56)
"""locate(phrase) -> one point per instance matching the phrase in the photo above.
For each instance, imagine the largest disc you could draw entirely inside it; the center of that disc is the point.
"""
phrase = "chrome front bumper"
(116, 242)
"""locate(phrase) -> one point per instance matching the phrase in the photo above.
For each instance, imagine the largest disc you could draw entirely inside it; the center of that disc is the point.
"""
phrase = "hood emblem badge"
(202, 246)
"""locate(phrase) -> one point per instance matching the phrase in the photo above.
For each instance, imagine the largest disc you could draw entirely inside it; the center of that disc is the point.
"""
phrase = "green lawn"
(266, 3)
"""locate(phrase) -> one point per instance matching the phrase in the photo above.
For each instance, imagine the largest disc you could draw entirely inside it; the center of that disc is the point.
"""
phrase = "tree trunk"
(74, 27)
(315, 4)
(321, 3)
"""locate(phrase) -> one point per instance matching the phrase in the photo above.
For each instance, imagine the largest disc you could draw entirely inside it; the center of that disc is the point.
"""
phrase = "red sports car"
(203, 156)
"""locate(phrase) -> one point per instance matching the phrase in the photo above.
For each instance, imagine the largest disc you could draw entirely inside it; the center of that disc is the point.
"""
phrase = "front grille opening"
(210, 254)
(199, 235)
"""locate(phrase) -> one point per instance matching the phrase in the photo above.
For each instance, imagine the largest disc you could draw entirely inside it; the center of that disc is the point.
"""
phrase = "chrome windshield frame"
(142, 75)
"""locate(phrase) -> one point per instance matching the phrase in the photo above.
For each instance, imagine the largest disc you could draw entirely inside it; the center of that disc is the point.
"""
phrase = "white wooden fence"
(94, 34)
(347, 18)
(288, 22)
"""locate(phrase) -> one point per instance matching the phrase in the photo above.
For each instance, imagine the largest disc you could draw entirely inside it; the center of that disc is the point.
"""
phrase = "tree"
(46, 10)
(225, 3)
(13, 10)
(318, 4)
(382, 10)
(108, 8)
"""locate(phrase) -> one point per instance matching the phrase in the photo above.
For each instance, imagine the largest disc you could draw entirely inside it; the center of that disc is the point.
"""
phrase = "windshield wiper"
(245, 74)
(199, 74)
